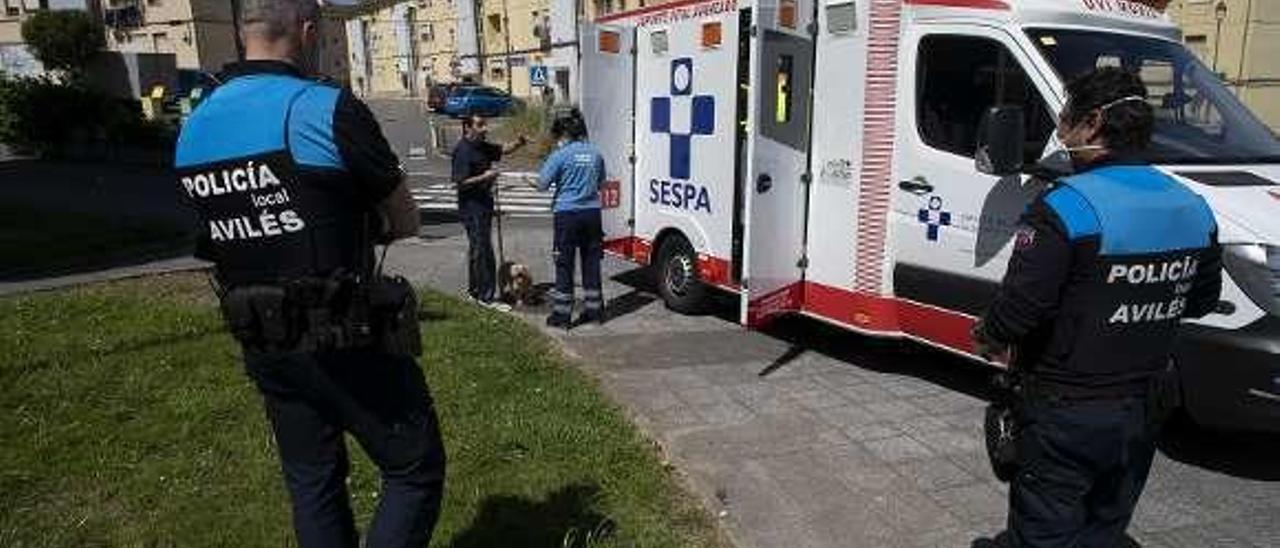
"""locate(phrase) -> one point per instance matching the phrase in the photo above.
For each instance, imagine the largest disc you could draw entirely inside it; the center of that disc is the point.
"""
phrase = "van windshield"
(1198, 120)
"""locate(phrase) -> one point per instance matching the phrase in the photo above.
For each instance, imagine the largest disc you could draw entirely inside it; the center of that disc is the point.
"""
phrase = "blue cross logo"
(702, 120)
(934, 217)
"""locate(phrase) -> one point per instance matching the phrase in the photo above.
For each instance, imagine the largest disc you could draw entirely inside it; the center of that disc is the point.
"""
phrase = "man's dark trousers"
(482, 268)
(1084, 464)
(578, 233)
(383, 401)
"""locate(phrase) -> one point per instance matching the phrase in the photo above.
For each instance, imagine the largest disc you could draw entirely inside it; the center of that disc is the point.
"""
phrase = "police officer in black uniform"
(295, 183)
(1107, 262)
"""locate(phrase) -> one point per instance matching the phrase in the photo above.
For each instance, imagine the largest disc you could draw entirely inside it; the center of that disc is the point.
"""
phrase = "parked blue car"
(483, 101)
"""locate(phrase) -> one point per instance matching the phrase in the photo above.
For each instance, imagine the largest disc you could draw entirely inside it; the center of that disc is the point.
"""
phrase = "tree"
(64, 40)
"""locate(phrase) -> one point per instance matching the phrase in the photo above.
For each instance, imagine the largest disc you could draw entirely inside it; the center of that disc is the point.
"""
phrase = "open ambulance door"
(777, 191)
(607, 103)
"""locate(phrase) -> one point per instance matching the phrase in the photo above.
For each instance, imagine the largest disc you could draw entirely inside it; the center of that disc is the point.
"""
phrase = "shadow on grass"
(567, 518)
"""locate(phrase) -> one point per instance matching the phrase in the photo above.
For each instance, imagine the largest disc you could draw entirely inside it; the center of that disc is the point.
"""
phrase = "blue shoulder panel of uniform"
(1143, 211)
(246, 116)
(311, 128)
(1079, 218)
(240, 118)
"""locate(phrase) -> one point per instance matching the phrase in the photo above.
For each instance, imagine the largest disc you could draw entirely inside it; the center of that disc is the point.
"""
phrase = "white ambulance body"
(818, 158)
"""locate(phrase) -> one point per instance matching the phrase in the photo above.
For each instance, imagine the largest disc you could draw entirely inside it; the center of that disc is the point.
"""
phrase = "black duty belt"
(332, 313)
(1037, 387)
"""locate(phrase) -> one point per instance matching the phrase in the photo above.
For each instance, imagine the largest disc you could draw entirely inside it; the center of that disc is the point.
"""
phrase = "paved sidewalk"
(810, 437)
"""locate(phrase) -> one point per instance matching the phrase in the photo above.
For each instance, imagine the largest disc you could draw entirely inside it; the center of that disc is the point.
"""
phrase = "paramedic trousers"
(383, 402)
(578, 233)
(1083, 467)
(482, 269)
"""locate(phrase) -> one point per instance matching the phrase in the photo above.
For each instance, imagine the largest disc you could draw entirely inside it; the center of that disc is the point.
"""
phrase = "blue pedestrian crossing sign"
(537, 75)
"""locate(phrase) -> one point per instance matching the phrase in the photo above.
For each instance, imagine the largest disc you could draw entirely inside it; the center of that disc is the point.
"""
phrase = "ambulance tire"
(676, 274)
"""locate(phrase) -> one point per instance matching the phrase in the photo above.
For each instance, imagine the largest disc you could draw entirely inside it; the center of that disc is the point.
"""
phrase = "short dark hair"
(1126, 125)
(276, 19)
(569, 125)
(471, 121)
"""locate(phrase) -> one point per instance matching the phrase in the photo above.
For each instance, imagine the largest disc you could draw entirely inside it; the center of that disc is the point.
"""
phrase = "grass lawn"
(38, 241)
(127, 421)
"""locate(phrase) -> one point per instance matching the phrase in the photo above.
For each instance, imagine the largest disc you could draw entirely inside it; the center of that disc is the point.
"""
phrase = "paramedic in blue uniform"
(296, 183)
(475, 177)
(1107, 262)
(575, 169)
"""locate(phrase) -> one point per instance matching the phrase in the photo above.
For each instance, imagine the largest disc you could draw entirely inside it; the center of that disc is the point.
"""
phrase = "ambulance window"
(959, 78)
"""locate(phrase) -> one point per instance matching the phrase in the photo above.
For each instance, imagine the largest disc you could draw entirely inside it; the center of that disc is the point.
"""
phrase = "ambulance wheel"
(677, 277)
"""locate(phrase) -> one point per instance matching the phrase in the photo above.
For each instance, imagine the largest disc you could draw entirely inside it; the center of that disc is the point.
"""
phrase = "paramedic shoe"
(593, 318)
(496, 305)
(558, 321)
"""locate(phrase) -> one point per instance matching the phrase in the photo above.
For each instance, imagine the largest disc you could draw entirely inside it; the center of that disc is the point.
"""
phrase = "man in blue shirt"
(576, 170)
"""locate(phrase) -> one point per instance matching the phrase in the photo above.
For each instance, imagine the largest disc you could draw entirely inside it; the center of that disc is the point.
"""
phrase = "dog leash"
(497, 213)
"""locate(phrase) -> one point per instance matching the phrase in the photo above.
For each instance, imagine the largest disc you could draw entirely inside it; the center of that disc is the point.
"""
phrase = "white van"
(818, 157)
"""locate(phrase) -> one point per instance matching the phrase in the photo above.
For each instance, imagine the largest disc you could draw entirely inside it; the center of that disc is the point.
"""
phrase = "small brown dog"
(516, 283)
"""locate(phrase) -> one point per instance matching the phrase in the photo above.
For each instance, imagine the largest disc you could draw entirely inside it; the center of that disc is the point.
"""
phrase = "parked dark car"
(437, 94)
(481, 100)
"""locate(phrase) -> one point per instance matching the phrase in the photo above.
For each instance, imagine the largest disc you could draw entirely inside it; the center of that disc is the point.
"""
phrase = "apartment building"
(515, 35)
(333, 60)
(1238, 39)
(402, 48)
(199, 33)
(15, 58)
(594, 9)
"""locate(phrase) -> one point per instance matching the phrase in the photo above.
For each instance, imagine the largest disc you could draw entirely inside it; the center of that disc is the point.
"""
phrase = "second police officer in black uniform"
(295, 183)
(1107, 262)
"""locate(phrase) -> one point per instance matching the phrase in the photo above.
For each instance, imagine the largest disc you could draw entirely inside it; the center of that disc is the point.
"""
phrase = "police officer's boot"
(559, 321)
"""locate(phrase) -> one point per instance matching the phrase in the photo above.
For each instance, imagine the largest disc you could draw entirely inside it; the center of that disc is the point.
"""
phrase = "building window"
(495, 22)
(429, 32)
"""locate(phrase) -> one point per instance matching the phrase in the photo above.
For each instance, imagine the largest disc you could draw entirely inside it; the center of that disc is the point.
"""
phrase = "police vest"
(1145, 233)
(258, 162)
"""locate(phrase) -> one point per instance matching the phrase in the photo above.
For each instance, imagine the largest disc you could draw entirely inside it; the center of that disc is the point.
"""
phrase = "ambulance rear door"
(778, 155)
(608, 100)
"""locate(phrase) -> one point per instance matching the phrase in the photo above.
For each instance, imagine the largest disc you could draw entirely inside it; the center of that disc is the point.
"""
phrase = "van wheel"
(677, 277)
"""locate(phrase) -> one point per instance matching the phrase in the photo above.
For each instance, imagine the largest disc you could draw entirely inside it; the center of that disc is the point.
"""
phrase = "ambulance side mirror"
(1001, 137)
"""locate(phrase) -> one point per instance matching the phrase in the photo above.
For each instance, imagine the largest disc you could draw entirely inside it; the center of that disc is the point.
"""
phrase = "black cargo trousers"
(1082, 467)
(383, 401)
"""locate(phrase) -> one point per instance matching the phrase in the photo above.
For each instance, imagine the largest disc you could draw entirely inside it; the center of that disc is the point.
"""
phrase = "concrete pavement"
(807, 436)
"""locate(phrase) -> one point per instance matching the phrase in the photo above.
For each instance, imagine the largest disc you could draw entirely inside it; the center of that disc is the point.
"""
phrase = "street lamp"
(1219, 15)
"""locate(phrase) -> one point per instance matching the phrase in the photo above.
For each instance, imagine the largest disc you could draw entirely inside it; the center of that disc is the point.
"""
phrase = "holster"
(1164, 396)
(1002, 424)
(393, 305)
(261, 317)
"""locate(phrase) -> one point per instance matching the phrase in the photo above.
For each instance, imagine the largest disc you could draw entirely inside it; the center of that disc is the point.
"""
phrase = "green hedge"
(49, 118)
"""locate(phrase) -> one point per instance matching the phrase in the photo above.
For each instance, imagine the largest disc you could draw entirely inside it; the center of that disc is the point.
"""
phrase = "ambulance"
(861, 162)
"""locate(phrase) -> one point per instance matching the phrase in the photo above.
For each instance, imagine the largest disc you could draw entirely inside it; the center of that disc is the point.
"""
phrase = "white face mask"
(1059, 159)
